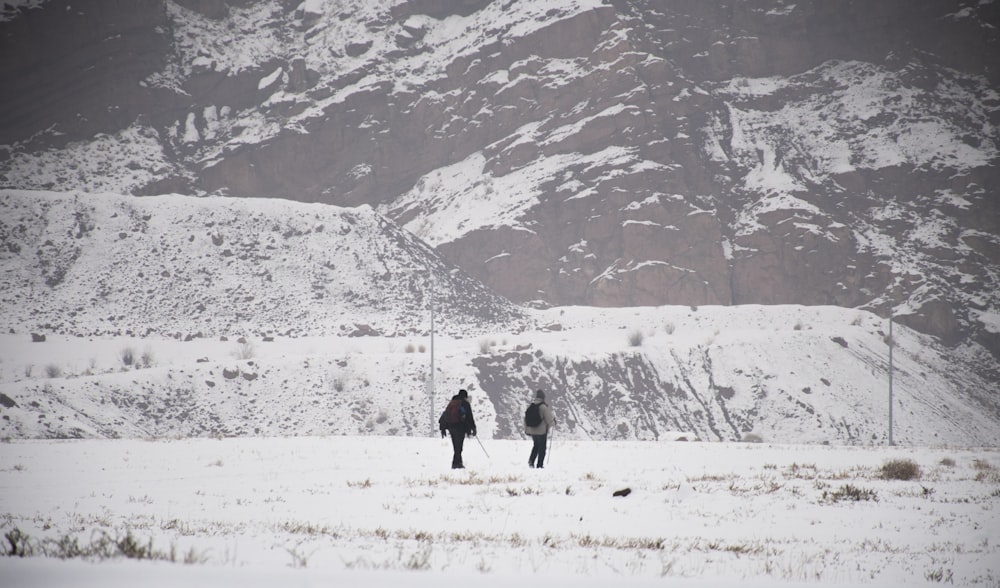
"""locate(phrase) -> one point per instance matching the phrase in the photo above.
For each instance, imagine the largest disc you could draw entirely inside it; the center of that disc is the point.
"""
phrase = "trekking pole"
(548, 448)
(481, 445)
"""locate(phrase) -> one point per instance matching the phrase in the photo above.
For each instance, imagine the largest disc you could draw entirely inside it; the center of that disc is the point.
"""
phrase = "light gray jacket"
(548, 419)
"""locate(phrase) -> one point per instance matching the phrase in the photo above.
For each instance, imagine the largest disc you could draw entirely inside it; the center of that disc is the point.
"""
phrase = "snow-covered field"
(388, 511)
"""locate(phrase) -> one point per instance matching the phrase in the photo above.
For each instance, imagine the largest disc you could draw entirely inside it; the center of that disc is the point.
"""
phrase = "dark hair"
(463, 394)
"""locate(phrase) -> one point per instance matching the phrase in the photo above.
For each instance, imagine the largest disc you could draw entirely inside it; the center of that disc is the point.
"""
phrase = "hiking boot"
(531, 464)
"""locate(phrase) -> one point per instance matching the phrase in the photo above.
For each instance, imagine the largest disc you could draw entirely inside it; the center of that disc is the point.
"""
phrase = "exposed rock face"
(78, 69)
(610, 154)
(714, 394)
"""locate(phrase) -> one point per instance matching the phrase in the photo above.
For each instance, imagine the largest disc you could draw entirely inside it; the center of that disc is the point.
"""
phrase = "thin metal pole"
(433, 420)
(892, 342)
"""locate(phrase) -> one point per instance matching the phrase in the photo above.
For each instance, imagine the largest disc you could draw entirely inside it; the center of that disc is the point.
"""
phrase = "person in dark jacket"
(540, 432)
(458, 421)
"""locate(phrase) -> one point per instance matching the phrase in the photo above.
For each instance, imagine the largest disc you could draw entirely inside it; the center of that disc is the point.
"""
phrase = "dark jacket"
(467, 425)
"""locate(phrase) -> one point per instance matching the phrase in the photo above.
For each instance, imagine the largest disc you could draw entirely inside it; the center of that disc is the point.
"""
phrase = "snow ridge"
(176, 266)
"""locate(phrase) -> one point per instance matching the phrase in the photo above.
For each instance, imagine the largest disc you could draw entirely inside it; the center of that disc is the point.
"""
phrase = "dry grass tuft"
(900, 469)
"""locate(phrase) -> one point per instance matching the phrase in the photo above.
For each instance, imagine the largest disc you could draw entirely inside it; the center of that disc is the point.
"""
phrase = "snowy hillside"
(175, 266)
(673, 165)
(178, 316)
(785, 374)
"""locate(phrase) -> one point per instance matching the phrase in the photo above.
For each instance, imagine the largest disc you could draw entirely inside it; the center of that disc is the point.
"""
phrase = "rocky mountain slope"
(623, 153)
(558, 152)
(168, 316)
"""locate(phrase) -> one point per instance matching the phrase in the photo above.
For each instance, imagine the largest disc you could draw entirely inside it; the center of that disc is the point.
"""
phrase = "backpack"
(453, 414)
(533, 415)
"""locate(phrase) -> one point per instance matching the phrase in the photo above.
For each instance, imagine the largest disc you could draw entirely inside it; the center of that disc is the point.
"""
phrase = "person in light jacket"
(540, 432)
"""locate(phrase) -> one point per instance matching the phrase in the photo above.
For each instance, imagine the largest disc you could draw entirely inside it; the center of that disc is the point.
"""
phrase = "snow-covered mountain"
(561, 151)
(168, 316)
(554, 152)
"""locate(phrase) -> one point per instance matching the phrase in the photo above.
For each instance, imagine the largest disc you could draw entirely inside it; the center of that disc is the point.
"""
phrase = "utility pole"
(892, 342)
(431, 380)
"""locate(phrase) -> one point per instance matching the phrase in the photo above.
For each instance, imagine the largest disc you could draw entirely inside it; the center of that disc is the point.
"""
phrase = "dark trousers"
(538, 450)
(457, 441)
